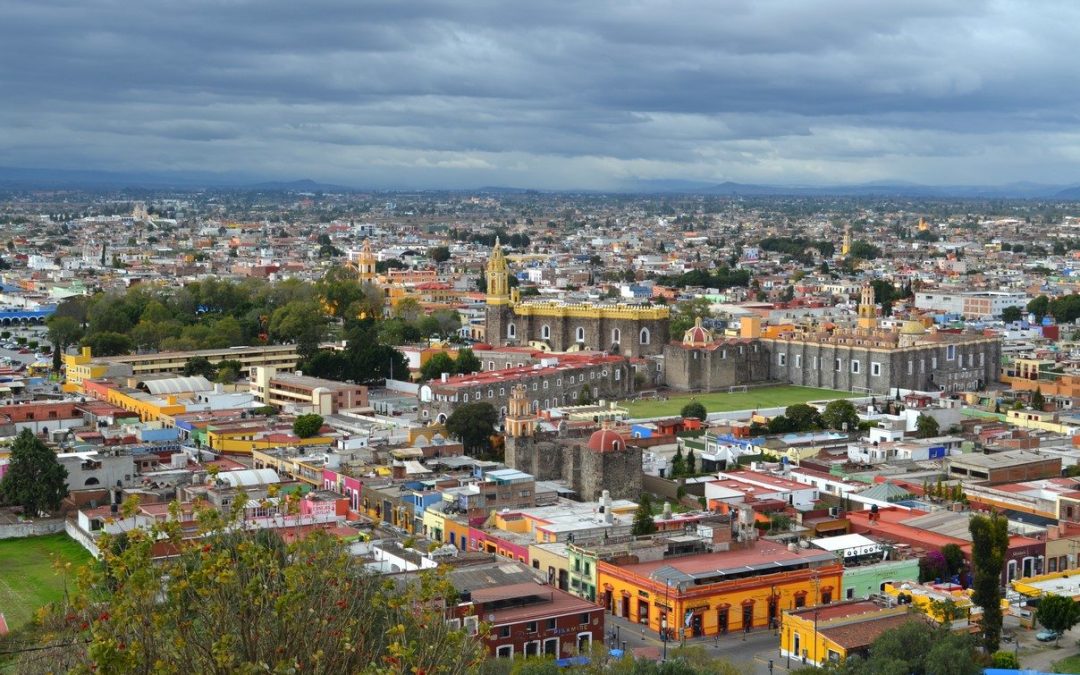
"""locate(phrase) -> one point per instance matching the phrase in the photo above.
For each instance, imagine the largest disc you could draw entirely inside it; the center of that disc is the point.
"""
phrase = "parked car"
(1047, 635)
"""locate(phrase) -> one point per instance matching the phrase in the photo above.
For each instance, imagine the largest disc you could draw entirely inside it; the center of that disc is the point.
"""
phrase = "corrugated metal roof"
(177, 385)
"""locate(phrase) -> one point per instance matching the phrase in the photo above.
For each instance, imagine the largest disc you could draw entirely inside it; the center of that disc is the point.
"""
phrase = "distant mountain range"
(21, 178)
(1022, 190)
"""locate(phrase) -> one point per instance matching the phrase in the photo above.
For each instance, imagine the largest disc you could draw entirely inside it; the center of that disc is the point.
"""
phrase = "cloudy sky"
(549, 94)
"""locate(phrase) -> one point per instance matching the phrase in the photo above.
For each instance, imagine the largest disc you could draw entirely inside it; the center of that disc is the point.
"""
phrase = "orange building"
(711, 593)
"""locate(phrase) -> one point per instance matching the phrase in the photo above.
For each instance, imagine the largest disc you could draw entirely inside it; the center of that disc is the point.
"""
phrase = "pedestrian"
(643, 632)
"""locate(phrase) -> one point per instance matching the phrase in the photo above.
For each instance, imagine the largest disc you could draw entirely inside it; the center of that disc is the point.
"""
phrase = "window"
(545, 384)
(580, 334)
(910, 366)
(502, 391)
(511, 331)
(464, 398)
(850, 593)
(472, 624)
(551, 624)
(933, 362)
(571, 379)
(504, 652)
(558, 382)
(950, 353)
(618, 373)
(782, 358)
(855, 366)
(535, 387)
(454, 624)
(798, 360)
(491, 393)
(839, 365)
(585, 616)
(491, 365)
(644, 337)
(875, 369)
(616, 336)
(530, 627)
(545, 332)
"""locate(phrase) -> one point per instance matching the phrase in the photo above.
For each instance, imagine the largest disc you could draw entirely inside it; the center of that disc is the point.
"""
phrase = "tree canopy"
(1058, 612)
(839, 413)
(242, 601)
(694, 409)
(35, 479)
(989, 541)
(926, 426)
(643, 517)
(473, 424)
(306, 426)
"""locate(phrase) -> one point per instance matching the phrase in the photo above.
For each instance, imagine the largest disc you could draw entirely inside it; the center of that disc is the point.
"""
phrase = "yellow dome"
(911, 327)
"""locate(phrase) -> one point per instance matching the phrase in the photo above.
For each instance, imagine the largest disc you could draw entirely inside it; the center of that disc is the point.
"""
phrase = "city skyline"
(595, 96)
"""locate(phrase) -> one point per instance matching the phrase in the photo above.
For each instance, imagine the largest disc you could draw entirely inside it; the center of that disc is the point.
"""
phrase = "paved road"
(753, 649)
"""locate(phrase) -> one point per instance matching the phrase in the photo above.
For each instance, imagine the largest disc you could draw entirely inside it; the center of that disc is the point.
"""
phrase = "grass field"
(1068, 665)
(27, 577)
(765, 397)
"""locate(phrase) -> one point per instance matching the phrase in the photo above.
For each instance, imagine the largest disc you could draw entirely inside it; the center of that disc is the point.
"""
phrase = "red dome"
(606, 440)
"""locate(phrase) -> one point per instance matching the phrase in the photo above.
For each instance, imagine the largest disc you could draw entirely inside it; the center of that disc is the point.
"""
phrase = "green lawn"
(1068, 665)
(27, 577)
(765, 397)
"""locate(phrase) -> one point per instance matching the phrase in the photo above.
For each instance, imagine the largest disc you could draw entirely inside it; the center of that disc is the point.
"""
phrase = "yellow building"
(832, 633)
(244, 439)
(931, 600)
(85, 366)
(721, 592)
(1041, 420)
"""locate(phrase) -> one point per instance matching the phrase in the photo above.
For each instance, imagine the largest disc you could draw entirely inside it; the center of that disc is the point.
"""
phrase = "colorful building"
(832, 633)
(714, 593)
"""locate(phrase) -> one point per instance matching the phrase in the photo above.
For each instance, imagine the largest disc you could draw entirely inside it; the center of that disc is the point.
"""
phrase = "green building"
(863, 580)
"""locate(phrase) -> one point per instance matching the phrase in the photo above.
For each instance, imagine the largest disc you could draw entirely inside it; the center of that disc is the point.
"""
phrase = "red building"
(527, 617)
(925, 532)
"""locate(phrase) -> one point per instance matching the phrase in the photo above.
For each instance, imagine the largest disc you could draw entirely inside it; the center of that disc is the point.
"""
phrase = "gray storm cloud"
(552, 95)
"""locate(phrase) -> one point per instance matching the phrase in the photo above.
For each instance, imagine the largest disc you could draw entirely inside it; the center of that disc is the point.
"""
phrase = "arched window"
(644, 337)
(511, 331)
(580, 334)
(616, 336)
(615, 446)
(545, 332)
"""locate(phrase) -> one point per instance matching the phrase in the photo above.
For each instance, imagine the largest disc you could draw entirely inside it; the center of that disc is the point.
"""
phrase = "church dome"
(698, 335)
(606, 440)
(912, 328)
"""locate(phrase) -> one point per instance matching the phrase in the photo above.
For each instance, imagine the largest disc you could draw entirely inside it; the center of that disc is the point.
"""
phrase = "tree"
(694, 409)
(199, 365)
(840, 414)
(864, 250)
(439, 254)
(1039, 306)
(35, 479)
(301, 607)
(438, 364)
(685, 313)
(301, 322)
(1005, 661)
(926, 426)
(678, 464)
(1038, 401)
(306, 426)
(989, 541)
(467, 362)
(780, 425)
(643, 517)
(108, 343)
(954, 559)
(1011, 314)
(64, 331)
(691, 462)
(1059, 613)
(803, 417)
(473, 424)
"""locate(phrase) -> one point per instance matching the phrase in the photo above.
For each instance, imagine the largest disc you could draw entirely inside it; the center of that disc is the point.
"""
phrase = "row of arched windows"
(616, 335)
